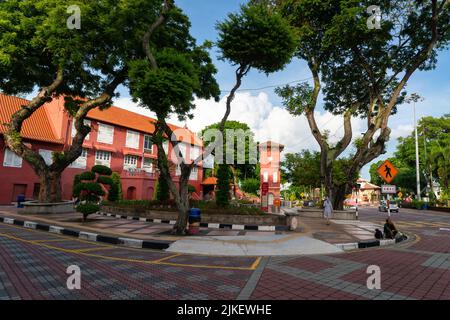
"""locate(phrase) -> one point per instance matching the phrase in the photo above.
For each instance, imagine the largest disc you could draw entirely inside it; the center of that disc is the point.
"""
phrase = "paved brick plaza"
(33, 266)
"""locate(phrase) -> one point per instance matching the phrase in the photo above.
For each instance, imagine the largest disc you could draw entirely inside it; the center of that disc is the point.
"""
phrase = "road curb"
(369, 244)
(126, 242)
(202, 224)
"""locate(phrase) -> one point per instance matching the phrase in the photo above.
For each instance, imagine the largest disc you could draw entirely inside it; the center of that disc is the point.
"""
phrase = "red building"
(119, 139)
(270, 185)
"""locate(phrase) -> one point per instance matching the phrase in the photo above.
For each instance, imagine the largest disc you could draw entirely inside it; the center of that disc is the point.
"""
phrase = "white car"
(393, 206)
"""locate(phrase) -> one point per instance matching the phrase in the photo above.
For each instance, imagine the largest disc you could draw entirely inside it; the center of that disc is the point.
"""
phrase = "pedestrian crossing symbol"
(387, 171)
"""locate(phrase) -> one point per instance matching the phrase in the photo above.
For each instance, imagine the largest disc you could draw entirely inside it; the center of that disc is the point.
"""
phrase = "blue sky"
(204, 14)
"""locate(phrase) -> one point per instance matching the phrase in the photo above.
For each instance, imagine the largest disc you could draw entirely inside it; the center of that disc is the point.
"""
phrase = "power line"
(269, 87)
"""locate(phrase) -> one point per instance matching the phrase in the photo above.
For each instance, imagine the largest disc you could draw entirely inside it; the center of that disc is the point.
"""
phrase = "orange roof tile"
(210, 181)
(121, 117)
(37, 127)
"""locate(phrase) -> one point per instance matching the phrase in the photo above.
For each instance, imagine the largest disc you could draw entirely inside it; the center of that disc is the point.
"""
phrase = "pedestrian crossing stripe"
(423, 224)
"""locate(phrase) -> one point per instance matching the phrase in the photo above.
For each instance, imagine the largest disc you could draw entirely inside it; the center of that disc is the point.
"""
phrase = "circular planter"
(34, 207)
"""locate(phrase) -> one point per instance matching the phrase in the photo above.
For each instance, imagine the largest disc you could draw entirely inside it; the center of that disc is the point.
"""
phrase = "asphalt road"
(33, 265)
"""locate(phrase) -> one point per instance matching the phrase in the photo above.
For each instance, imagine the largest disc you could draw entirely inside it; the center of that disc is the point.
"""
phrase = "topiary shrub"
(117, 183)
(162, 190)
(223, 186)
(76, 182)
(87, 208)
(105, 180)
(103, 170)
(87, 176)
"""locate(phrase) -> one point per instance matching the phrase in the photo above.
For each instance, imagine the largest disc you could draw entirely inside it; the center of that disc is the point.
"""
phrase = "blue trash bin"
(20, 200)
(194, 221)
(194, 215)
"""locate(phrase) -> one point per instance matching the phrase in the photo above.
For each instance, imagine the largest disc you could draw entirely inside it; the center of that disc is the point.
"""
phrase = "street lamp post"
(415, 98)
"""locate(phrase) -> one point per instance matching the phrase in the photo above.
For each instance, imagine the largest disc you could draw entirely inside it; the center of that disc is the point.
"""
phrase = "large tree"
(39, 51)
(167, 80)
(240, 148)
(360, 71)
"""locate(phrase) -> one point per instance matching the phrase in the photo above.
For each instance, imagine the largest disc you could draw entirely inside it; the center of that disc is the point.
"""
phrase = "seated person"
(390, 231)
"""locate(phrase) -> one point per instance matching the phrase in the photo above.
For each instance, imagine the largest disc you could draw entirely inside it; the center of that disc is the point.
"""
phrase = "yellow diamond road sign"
(400, 195)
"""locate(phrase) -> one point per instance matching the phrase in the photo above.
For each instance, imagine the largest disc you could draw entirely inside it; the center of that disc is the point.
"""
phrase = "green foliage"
(244, 160)
(105, 180)
(191, 189)
(103, 170)
(88, 208)
(250, 186)
(117, 183)
(76, 182)
(302, 169)
(223, 186)
(257, 37)
(113, 194)
(162, 190)
(87, 176)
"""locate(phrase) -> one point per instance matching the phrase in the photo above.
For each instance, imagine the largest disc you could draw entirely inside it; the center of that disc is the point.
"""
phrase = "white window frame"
(74, 130)
(47, 155)
(147, 168)
(81, 162)
(194, 174)
(194, 152)
(15, 160)
(105, 133)
(275, 177)
(166, 146)
(265, 176)
(178, 170)
(148, 150)
(103, 158)
(132, 140)
(130, 161)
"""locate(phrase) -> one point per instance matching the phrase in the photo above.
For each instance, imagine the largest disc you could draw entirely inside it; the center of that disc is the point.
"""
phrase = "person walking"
(327, 209)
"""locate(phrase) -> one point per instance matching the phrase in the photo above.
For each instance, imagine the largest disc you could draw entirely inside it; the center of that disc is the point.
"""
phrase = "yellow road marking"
(92, 249)
(85, 252)
(50, 240)
(256, 263)
(167, 258)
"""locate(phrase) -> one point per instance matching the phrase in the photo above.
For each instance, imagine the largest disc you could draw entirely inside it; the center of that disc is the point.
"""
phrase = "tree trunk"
(339, 196)
(183, 210)
(50, 188)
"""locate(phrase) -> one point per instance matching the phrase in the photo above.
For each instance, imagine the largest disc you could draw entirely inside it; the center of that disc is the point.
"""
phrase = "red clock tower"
(269, 158)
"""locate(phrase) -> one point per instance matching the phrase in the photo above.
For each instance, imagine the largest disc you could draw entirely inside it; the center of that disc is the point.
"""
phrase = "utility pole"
(415, 98)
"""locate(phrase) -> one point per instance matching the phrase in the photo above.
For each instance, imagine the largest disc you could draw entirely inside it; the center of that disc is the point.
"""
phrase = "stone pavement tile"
(277, 285)
(308, 264)
(433, 244)
(223, 233)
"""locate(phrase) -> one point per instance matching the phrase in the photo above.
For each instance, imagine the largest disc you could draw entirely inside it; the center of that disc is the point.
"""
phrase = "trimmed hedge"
(87, 176)
(103, 170)
(105, 180)
(88, 208)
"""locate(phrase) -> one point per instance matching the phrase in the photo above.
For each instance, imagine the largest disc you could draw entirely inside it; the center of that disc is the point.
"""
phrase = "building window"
(194, 174)
(74, 130)
(12, 160)
(275, 177)
(47, 155)
(265, 176)
(178, 170)
(132, 139)
(130, 162)
(148, 144)
(148, 165)
(195, 152)
(103, 158)
(166, 146)
(81, 162)
(105, 133)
